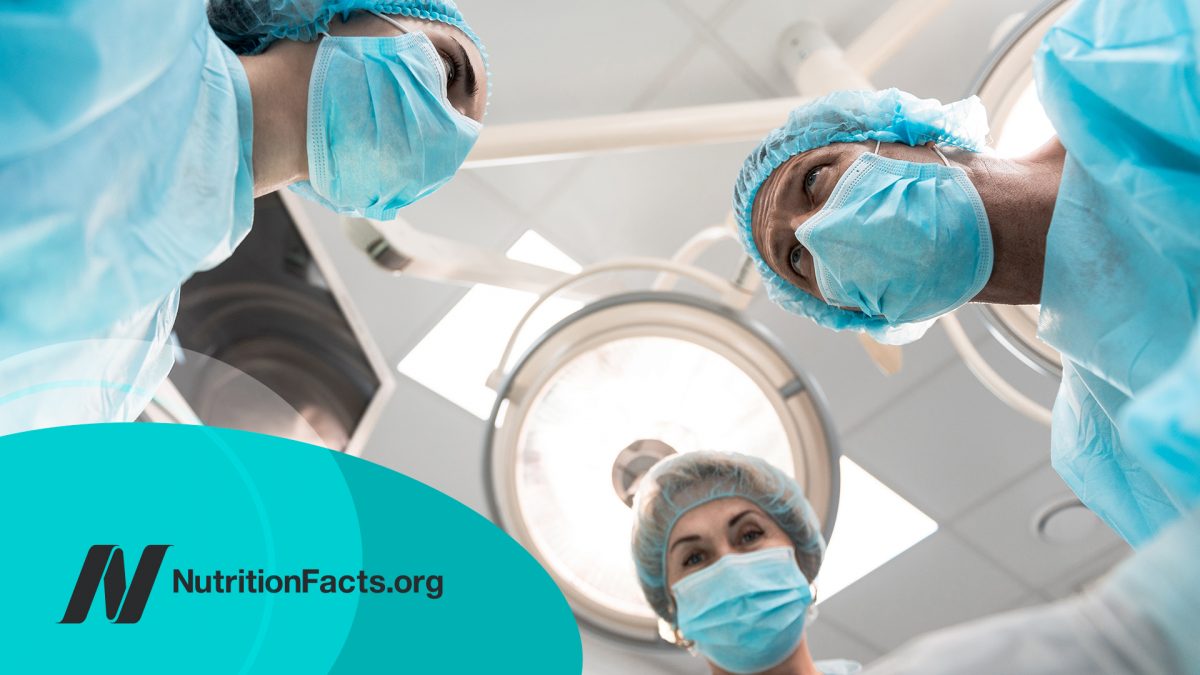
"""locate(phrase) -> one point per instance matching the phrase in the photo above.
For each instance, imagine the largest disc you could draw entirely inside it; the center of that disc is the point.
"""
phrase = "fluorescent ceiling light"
(455, 358)
(874, 525)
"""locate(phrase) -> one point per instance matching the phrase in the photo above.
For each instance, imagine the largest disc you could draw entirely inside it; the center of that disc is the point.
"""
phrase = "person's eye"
(751, 536)
(810, 179)
(796, 258)
(451, 67)
(693, 559)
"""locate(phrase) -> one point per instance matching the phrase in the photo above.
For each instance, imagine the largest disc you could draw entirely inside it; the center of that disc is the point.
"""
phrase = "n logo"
(122, 604)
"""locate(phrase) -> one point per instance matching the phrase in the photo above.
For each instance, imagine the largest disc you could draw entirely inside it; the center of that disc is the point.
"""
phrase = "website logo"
(122, 603)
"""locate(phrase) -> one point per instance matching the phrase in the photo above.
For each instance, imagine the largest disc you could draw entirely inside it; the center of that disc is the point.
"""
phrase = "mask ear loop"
(876, 151)
(810, 614)
(390, 20)
(939, 154)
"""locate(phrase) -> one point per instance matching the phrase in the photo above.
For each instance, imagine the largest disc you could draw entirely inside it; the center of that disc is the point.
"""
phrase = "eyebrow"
(472, 84)
(733, 521)
(695, 537)
(692, 537)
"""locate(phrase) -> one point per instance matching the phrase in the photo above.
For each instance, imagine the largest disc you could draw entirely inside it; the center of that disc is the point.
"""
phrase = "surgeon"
(726, 549)
(136, 136)
(878, 212)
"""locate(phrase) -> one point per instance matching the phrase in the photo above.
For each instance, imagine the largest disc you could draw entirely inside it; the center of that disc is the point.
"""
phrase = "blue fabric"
(126, 168)
(67, 64)
(889, 116)
(745, 612)
(381, 132)
(680, 483)
(1121, 290)
(886, 218)
(250, 26)
(1162, 428)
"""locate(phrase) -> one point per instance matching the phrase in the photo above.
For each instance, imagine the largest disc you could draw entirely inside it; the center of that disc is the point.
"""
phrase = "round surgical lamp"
(606, 393)
(1006, 87)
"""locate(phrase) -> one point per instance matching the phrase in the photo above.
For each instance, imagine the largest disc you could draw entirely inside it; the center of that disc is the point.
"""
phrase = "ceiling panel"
(701, 77)
(647, 204)
(947, 444)
(552, 59)
(530, 186)
(1004, 528)
(1086, 574)
(424, 436)
(827, 640)
(965, 30)
(939, 582)
(752, 29)
(856, 389)
(704, 10)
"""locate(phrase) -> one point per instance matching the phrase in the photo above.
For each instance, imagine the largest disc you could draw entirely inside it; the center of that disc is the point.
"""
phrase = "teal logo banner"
(170, 548)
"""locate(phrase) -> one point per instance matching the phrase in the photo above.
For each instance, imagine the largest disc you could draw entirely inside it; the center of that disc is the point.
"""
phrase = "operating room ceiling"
(931, 433)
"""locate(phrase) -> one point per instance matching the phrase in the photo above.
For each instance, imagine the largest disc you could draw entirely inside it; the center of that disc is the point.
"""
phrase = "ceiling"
(932, 433)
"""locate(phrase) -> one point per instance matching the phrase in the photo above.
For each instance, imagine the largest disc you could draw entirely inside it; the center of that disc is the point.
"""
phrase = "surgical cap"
(888, 116)
(680, 483)
(250, 26)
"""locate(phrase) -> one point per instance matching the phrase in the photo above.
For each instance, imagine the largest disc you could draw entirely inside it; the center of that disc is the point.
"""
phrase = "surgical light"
(611, 389)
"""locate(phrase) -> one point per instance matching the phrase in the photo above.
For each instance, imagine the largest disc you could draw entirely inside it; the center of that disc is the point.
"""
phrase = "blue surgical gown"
(125, 168)
(1121, 290)
(1142, 617)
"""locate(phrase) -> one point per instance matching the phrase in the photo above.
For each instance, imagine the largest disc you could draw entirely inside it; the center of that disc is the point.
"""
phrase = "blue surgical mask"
(745, 612)
(381, 131)
(906, 241)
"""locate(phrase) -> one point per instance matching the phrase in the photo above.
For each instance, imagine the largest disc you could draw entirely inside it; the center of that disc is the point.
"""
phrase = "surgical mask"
(746, 612)
(901, 240)
(381, 131)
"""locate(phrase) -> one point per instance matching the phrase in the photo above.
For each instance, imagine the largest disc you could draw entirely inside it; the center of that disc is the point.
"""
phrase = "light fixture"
(454, 358)
(610, 389)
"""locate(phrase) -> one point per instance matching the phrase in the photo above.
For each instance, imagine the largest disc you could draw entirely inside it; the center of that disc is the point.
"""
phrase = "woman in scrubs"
(726, 549)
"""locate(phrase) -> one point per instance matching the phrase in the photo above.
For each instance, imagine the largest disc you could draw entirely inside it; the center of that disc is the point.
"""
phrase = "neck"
(279, 90)
(1019, 197)
(799, 663)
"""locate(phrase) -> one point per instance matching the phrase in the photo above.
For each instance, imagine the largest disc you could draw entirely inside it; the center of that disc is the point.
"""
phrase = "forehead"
(711, 517)
(783, 180)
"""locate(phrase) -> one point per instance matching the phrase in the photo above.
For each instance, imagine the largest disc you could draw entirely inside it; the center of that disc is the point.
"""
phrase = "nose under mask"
(381, 130)
(901, 240)
(746, 612)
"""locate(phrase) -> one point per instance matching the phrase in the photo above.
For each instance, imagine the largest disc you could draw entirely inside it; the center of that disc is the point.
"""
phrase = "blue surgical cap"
(680, 483)
(888, 116)
(249, 26)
